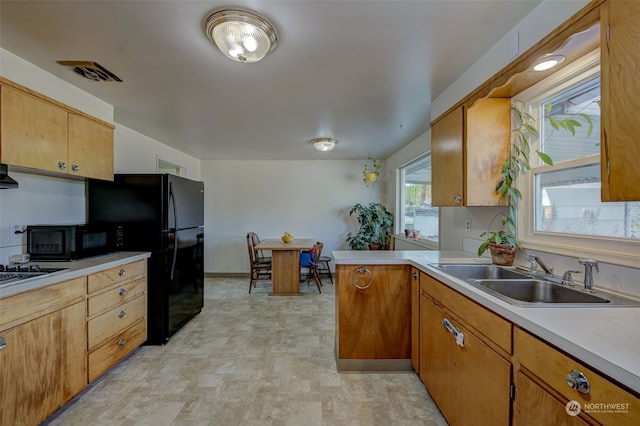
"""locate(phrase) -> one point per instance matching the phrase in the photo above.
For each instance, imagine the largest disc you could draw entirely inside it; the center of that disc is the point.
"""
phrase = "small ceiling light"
(547, 62)
(323, 144)
(241, 35)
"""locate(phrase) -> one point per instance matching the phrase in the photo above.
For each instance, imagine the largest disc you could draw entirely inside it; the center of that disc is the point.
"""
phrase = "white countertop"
(607, 339)
(76, 268)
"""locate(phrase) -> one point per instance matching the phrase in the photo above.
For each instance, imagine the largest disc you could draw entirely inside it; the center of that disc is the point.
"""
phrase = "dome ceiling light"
(241, 35)
(548, 62)
(323, 144)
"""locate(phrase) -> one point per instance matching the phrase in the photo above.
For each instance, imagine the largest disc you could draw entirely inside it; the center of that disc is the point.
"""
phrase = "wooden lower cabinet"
(373, 323)
(116, 315)
(470, 382)
(42, 360)
(533, 406)
(550, 367)
(415, 319)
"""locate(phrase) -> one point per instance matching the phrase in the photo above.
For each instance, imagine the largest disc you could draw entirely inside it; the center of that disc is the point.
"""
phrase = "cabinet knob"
(122, 272)
(3, 343)
(415, 275)
(577, 380)
(122, 292)
(122, 314)
(75, 167)
(62, 165)
(122, 342)
(458, 199)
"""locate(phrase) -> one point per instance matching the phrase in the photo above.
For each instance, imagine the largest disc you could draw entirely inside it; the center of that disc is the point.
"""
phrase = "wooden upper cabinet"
(42, 134)
(90, 148)
(34, 133)
(447, 159)
(620, 61)
(486, 149)
(468, 148)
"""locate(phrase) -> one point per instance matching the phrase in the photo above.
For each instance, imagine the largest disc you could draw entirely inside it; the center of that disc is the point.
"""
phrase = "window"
(417, 212)
(561, 207)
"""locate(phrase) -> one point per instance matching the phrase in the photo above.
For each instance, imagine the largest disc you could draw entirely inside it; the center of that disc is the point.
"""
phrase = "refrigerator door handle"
(172, 201)
(175, 254)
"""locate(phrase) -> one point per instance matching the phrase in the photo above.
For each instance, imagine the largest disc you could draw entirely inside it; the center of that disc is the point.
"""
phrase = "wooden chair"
(260, 269)
(313, 262)
(260, 257)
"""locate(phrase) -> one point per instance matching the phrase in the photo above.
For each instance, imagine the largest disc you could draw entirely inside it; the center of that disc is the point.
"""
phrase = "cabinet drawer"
(483, 321)
(118, 274)
(112, 322)
(20, 308)
(552, 367)
(115, 296)
(116, 348)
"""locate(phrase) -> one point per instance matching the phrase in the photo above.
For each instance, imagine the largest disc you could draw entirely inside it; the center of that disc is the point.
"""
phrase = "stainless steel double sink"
(520, 289)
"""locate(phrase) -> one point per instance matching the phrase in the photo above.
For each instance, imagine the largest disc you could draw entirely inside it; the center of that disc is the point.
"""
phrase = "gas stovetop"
(13, 273)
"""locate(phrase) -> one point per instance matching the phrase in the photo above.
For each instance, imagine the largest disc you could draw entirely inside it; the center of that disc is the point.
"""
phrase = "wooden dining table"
(285, 264)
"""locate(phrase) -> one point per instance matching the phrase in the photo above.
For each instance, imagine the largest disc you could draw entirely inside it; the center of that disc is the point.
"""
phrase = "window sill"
(414, 244)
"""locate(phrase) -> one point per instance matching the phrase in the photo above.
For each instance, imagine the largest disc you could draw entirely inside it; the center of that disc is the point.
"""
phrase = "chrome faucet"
(535, 260)
(589, 264)
(567, 279)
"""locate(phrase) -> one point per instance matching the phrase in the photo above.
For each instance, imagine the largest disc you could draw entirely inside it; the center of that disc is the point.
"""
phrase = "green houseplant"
(376, 224)
(370, 175)
(503, 244)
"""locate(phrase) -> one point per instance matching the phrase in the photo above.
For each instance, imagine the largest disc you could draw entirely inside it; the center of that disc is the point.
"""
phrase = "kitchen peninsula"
(509, 349)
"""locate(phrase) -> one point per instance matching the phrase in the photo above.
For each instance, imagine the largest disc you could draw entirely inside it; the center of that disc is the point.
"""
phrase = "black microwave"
(68, 242)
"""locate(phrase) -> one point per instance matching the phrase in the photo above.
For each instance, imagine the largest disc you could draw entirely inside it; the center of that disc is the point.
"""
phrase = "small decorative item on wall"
(370, 171)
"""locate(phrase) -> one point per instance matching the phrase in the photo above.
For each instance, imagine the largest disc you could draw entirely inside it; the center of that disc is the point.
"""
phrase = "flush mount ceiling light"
(241, 35)
(547, 62)
(323, 144)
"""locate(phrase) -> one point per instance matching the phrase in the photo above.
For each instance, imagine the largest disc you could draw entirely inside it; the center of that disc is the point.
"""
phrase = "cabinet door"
(374, 323)
(469, 383)
(487, 147)
(90, 148)
(34, 132)
(415, 319)
(620, 61)
(447, 159)
(532, 404)
(43, 365)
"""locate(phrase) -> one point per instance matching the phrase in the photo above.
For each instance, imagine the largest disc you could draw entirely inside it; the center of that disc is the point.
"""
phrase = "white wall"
(44, 199)
(310, 199)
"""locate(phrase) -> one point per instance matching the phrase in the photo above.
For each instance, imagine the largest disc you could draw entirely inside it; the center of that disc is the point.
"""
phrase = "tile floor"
(250, 359)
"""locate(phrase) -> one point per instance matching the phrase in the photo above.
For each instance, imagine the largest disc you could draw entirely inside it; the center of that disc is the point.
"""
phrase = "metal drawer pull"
(122, 292)
(3, 343)
(122, 342)
(455, 332)
(122, 314)
(577, 380)
(361, 270)
(121, 272)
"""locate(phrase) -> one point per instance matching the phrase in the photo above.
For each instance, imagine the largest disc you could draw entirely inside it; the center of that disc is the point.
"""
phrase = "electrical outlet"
(16, 229)
(467, 225)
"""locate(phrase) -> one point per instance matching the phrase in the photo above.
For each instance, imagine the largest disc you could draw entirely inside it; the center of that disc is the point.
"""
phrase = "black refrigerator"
(162, 214)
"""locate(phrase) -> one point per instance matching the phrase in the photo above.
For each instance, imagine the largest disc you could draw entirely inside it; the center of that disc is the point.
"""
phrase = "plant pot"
(408, 233)
(502, 254)
(416, 235)
(374, 247)
(371, 177)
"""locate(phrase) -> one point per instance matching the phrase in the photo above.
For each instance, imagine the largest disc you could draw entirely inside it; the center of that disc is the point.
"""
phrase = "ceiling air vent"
(90, 70)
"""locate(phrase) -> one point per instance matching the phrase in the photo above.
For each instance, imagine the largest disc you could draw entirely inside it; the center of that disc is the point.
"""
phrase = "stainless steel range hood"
(6, 181)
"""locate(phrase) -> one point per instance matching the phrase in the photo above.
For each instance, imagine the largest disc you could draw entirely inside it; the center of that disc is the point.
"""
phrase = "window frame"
(618, 251)
(400, 224)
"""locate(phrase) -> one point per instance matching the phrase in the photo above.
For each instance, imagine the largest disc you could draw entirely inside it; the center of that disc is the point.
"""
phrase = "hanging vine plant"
(370, 171)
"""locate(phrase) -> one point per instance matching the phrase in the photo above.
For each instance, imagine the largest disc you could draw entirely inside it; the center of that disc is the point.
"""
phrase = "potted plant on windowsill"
(376, 224)
(503, 244)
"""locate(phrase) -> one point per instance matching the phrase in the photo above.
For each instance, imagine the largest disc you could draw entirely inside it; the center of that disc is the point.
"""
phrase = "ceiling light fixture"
(548, 62)
(323, 144)
(241, 35)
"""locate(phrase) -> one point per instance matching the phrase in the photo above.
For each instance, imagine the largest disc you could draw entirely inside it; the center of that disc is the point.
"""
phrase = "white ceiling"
(363, 72)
